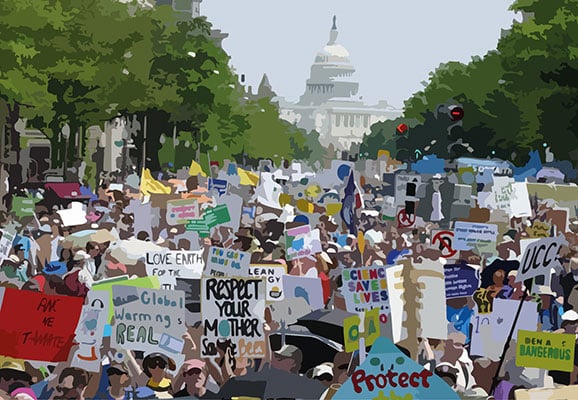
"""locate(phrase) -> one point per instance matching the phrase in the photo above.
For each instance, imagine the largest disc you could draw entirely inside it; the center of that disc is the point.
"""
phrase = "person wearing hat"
(13, 371)
(287, 358)
(154, 366)
(323, 373)
(194, 375)
(569, 326)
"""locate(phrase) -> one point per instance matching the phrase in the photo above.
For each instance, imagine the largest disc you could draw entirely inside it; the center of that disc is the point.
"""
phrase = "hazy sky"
(393, 44)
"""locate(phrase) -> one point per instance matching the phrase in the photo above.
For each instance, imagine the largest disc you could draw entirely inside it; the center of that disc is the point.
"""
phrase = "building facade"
(331, 104)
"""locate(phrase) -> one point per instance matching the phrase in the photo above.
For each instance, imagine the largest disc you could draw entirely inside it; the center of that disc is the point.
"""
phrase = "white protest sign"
(6, 240)
(302, 242)
(308, 288)
(273, 275)
(396, 306)
(365, 288)
(181, 211)
(430, 281)
(73, 216)
(472, 236)
(227, 262)
(490, 331)
(233, 309)
(150, 320)
(406, 187)
(89, 331)
(540, 257)
(173, 264)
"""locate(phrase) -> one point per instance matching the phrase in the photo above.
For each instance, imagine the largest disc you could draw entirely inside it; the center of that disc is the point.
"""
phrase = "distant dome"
(334, 50)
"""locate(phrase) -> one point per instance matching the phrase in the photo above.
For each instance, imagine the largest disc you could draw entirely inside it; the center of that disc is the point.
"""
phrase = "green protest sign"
(546, 350)
(23, 206)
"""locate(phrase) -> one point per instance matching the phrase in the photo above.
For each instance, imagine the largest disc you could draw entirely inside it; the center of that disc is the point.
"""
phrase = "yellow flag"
(196, 169)
(248, 178)
(361, 242)
(149, 185)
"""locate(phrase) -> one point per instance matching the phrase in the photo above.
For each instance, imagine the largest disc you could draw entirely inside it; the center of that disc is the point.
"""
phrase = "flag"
(195, 169)
(149, 185)
(248, 178)
(351, 202)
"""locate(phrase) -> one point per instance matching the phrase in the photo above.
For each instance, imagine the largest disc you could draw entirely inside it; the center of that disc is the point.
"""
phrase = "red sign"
(445, 240)
(36, 326)
(405, 220)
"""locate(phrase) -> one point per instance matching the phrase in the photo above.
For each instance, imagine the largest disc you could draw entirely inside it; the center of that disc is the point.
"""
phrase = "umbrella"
(326, 323)
(130, 251)
(271, 383)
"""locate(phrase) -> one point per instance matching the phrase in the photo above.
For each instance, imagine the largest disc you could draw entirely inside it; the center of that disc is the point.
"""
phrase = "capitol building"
(331, 104)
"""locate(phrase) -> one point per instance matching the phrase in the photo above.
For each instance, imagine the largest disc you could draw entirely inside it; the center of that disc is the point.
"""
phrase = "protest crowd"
(371, 279)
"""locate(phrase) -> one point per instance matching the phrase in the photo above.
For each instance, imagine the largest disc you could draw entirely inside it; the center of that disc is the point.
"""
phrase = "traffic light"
(456, 113)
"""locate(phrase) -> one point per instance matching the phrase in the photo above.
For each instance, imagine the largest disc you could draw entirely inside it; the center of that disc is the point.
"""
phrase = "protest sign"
(36, 326)
(546, 350)
(181, 211)
(173, 264)
(429, 279)
(273, 275)
(406, 188)
(216, 215)
(192, 291)
(351, 331)
(233, 309)
(474, 236)
(365, 288)
(491, 328)
(150, 282)
(150, 320)
(220, 185)
(396, 305)
(443, 241)
(227, 262)
(308, 288)
(6, 240)
(461, 280)
(539, 229)
(234, 207)
(562, 392)
(302, 242)
(540, 257)
(89, 331)
(387, 373)
(23, 206)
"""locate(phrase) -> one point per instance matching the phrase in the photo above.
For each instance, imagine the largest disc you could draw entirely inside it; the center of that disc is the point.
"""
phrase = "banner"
(370, 332)
(273, 275)
(540, 257)
(181, 211)
(233, 309)
(173, 264)
(90, 331)
(365, 288)
(474, 236)
(36, 326)
(227, 262)
(302, 242)
(150, 320)
(545, 350)
(462, 280)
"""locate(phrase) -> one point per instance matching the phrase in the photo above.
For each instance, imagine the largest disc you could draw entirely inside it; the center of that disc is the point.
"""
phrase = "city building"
(331, 104)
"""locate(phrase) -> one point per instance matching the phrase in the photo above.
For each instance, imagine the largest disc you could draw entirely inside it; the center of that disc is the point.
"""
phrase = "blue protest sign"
(462, 280)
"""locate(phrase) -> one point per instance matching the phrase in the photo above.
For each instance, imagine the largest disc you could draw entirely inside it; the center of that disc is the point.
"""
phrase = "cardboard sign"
(429, 278)
(540, 257)
(546, 350)
(151, 282)
(181, 211)
(227, 262)
(396, 304)
(310, 289)
(273, 275)
(150, 320)
(490, 331)
(365, 288)
(370, 332)
(302, 242)
(170, 265)
(90, 330)
(387, 373)
(36, 326)
(474, 236)
(233, 309)
(6, 239)
(462, 280)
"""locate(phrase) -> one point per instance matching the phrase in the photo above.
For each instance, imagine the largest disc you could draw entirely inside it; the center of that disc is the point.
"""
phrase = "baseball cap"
(12, 363)
(192, 364)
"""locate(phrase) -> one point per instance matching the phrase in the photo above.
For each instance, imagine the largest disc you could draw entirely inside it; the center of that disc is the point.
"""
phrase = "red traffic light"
(456, 113)
(402, 129)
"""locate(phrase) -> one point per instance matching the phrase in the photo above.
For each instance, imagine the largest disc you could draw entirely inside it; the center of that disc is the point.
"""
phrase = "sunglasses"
(192, 371)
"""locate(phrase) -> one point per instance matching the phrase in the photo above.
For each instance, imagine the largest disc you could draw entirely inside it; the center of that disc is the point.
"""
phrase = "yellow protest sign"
(351, 332)
(546, 350)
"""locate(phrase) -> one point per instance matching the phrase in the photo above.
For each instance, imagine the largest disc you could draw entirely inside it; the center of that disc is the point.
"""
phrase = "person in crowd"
(194, 374)
(72, 384)
(155, 367)
(287, 358)
(13, 372)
